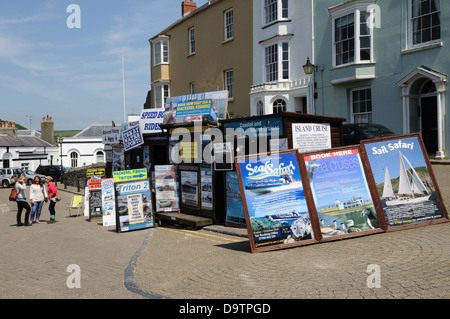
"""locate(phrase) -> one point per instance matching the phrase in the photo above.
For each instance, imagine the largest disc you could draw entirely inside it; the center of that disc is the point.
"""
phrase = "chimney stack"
(188, 6)
(9, 128)
(48, 130)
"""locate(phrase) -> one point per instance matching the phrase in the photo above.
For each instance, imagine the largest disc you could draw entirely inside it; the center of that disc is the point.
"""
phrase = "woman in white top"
(22, 201)
(38, 195)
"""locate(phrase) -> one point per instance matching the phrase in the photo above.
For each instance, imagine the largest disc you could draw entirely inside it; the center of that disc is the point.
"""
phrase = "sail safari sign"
(404, 179)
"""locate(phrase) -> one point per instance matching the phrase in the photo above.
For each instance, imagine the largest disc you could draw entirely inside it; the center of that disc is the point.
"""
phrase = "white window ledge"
(423, 47)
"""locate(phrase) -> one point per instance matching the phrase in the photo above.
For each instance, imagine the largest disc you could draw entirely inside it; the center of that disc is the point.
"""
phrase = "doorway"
(429, 116)
(429, 123)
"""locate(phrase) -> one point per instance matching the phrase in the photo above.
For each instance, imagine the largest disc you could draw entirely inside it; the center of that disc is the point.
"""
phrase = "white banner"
(150, 120)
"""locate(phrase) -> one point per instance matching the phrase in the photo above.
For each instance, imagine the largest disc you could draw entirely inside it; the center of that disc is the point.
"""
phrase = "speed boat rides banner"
(341, 195)
(404, 180)
(274, 201)
(134, 206)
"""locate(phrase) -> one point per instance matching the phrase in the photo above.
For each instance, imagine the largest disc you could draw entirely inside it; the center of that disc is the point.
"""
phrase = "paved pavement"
(179, 263)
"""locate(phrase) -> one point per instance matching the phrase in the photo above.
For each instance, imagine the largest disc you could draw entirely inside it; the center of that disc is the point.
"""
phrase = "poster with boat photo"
(404, 179)
(134, 206)
(165, 188)
(274, 201)
(341, 195)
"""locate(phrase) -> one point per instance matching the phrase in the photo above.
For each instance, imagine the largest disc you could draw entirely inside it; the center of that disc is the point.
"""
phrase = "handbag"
(13, 195)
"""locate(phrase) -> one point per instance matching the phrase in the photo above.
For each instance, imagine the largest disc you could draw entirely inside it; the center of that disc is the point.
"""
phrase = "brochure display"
(134, 207)
(404, 180)
(342, 200)
(95, 198)
(165, 188)
(274, 201)
(108, 202)
(234, 208)
(206, 188)
(189, 187)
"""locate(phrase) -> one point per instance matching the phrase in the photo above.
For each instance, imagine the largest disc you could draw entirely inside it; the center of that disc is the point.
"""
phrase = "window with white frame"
(275, 10)
(260, 108)
(192, 88)
(275, 67)
(191, 40)
(229, 83)
(425, 21)
(100, 157)
(161, 52)
(229, 30)
(352, 36)
(161, 94)
(279, 106)
(74, 159)
(361, 101)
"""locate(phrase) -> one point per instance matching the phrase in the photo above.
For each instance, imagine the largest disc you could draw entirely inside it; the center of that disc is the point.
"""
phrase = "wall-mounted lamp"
(308, 67)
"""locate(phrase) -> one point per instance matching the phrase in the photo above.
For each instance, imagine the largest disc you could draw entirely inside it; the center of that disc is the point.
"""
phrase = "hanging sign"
(150, 120)
(132, 138)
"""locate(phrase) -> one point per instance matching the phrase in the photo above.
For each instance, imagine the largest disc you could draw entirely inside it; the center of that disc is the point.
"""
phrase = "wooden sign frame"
(289, 243)
(346, 218)
(398, 142)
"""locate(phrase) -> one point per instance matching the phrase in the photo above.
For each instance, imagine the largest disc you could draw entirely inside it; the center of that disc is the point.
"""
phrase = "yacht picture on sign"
(404, 180)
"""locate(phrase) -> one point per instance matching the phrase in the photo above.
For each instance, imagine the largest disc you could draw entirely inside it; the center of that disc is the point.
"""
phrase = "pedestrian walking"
(52, 197)
(21, 201)
(38, 195)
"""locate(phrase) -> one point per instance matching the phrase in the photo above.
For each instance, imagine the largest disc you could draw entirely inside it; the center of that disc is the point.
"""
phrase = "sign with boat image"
(404, 180)
(341, 196)
(274, 201)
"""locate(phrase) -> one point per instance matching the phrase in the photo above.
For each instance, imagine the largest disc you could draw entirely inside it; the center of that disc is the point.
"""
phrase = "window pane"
(362, 105)
(285, 12)
(425, 21)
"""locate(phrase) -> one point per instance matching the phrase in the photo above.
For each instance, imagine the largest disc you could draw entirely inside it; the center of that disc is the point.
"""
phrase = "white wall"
(297, 30)
(86, 148)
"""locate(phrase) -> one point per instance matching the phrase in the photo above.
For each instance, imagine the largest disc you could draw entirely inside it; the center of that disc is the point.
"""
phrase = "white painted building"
(24, 149)
(85, 148)
(282, 42)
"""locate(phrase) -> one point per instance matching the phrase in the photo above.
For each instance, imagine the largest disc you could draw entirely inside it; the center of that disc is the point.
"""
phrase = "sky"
(75, 74)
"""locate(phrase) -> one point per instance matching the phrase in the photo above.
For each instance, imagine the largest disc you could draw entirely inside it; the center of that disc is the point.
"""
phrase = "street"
(180, 263)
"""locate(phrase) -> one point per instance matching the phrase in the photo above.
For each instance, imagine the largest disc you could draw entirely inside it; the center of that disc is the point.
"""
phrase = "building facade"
(24, 149)
(385, 62)
(208, 49)
(85, 148)
(282, 43)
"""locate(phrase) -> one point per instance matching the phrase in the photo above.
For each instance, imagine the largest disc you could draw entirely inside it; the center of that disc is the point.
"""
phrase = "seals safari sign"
(274, 201)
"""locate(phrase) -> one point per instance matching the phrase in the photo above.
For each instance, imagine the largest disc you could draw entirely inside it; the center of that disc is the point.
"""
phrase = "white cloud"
(30, 87)
(10, 47)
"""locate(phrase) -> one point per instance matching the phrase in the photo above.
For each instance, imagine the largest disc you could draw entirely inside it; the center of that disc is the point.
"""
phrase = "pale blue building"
(385, 62)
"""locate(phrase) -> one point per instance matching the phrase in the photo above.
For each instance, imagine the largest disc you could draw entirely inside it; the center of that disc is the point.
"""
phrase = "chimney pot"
(187, 6)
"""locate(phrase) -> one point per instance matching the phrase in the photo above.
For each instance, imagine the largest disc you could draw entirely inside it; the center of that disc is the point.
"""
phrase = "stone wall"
(77, 176)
